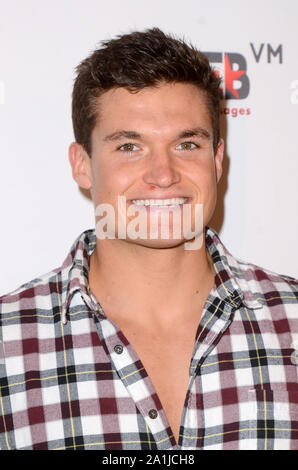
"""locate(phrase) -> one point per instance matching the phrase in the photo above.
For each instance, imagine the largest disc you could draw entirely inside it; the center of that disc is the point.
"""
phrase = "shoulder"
(255, 281)
(42, 299)
(31, 299)
(266, 279)
(278, 292)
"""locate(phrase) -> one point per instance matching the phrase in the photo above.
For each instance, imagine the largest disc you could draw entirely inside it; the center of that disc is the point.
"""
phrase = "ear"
(218, 158)
(81, 165)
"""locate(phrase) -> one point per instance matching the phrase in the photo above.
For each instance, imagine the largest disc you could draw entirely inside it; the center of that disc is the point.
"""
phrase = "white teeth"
(159, 202)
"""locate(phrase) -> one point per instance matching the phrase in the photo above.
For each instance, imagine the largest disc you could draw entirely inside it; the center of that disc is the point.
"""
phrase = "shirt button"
(118, 349)
(153, 413)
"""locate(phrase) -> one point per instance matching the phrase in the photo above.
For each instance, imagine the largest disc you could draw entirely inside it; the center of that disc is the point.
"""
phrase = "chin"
(157, 243)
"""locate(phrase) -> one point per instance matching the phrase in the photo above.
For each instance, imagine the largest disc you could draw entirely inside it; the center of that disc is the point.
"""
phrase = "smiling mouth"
(163, 203)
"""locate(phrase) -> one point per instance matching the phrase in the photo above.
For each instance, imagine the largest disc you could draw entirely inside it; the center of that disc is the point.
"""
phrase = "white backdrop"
(41, 42)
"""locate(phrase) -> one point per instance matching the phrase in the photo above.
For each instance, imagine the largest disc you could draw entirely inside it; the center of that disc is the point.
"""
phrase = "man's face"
(155, 144)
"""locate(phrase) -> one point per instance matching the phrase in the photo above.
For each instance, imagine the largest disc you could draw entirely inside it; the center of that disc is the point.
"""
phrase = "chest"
(167, 361)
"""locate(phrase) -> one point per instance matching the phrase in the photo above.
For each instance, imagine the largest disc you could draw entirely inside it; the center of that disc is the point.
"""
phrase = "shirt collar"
(232, 288)
(230, 281)
(77, 264)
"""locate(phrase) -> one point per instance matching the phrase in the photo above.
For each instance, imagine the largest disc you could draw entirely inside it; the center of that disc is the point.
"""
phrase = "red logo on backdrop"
(232, 67)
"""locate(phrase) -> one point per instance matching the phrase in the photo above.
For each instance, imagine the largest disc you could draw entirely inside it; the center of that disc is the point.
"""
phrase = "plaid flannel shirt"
(71, 380)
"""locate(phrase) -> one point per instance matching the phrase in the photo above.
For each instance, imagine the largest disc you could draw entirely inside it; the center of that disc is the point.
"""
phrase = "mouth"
(162, 204)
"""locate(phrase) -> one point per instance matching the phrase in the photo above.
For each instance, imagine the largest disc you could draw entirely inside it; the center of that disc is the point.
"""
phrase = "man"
(140, 343)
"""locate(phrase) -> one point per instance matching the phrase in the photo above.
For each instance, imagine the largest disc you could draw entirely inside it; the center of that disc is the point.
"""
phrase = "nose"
(161, 170)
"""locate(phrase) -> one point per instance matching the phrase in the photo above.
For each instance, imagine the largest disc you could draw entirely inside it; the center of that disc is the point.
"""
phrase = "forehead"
(166, 106)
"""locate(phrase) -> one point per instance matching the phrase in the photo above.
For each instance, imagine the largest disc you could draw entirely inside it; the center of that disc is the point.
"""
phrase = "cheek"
(209, 193)
(204, 176)
(109, 181)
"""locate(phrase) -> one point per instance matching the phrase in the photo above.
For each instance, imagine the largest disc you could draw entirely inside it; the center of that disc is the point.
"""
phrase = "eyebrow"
(195, 132)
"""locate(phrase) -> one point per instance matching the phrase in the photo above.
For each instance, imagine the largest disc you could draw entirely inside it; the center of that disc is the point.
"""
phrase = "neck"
(151, 286)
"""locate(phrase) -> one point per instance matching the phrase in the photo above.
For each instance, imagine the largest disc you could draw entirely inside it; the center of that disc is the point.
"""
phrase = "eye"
(129, 147)
(188, 146)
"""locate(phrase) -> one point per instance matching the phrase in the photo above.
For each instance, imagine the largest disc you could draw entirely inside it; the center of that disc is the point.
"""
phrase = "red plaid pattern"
(70, 379)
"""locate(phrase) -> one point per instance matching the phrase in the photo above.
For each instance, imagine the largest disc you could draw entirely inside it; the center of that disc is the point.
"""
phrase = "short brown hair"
(135, 61)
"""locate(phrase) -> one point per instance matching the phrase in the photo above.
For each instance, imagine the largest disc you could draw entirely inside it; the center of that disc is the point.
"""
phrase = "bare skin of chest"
(167, 360)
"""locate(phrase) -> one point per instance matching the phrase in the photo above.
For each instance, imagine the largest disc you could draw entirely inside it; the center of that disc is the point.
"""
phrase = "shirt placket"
(216, 319)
